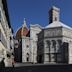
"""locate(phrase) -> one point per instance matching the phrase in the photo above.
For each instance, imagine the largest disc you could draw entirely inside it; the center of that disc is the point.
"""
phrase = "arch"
(27, 57)
(55, 18)
(48, 43)
(59, 43)
(53, 44)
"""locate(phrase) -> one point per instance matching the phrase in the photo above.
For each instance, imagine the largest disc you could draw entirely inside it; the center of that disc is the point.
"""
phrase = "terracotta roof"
(19, 32)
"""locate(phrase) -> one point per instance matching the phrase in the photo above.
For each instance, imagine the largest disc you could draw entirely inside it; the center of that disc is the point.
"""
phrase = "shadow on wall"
(2, 64)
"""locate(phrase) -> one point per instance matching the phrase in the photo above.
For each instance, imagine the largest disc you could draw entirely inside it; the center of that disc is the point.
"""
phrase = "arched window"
(53, 44)
(59, 43)
(55, 18)
(47, 44)
(58, 51)
(27, 57)
(52, 51)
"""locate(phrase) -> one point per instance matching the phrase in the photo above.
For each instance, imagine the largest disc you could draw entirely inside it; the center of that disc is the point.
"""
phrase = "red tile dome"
(21, 33)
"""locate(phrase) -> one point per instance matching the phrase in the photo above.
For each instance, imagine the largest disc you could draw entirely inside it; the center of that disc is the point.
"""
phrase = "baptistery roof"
(58, 24)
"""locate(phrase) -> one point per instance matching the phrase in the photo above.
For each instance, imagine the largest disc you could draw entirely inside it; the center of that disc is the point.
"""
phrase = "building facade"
(26, 43)
(6, 35)
(55, 41)
(34, 30)
(51, 44)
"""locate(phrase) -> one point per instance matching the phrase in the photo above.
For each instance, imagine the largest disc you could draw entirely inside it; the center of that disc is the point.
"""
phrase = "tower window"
(27, 46)
(55, 18)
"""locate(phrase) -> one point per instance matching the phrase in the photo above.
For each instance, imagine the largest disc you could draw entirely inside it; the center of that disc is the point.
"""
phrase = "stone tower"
(54, 14)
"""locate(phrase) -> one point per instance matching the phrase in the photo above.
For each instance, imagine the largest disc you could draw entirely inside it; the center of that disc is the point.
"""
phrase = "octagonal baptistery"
(55, 40)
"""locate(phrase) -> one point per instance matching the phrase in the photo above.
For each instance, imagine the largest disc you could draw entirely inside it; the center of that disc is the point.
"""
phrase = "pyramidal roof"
(58, 24)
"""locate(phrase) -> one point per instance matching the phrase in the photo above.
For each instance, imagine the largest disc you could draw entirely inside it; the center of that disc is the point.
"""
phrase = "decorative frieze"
(52, 32)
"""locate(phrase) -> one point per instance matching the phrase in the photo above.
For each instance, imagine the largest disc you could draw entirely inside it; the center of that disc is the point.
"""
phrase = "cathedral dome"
(22, 31)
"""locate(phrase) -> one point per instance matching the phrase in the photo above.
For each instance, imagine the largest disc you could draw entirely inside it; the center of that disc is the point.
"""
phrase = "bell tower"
(54, 13)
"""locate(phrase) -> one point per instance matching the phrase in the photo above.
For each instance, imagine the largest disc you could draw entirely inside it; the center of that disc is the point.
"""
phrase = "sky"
(36, 12)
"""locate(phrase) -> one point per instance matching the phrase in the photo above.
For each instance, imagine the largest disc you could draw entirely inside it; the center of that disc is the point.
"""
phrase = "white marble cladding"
(25, 49)
(53, 35)
(34, 30)
(70, 53)
(5, 30)
(67, 32)
(52, 32)
(69, 41)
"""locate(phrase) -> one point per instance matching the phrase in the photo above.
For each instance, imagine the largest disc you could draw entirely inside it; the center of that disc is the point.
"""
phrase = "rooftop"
(58, 24)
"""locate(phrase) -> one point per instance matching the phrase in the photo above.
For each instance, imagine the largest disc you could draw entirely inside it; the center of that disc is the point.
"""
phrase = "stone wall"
(34, 30)
(53, 32)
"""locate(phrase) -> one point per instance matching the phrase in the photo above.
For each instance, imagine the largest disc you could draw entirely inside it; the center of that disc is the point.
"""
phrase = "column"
(58, 51)
(57, 46)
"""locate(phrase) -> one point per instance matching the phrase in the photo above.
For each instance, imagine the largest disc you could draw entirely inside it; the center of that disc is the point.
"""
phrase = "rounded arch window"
(59, 42)
(53, 43)
(55, 18)
(27, 57)
(48, 44)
